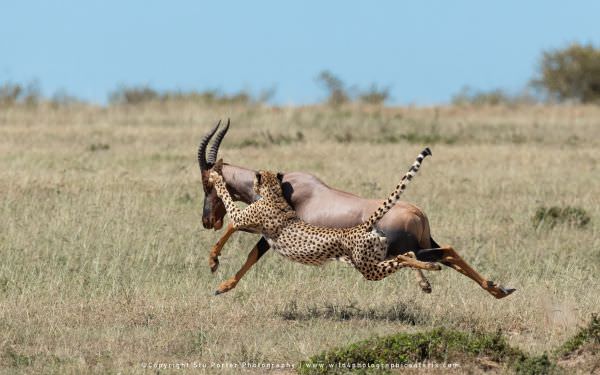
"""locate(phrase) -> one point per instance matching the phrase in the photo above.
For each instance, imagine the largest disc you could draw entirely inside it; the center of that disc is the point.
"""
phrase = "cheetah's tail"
(395, 196)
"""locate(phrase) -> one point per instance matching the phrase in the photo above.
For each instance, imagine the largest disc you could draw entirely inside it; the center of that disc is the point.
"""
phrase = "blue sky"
(425, 51)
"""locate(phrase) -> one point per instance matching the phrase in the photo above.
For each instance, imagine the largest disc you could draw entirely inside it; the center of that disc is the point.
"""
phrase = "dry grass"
(104, 262)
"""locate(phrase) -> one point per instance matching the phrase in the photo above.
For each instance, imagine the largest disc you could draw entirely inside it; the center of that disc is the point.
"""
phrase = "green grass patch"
(441, 347)
(398, 313)
(267, 138)
(589, 335)
(549, 217)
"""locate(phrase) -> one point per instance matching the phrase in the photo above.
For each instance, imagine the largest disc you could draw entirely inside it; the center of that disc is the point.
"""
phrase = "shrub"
(374, 95)
(144, 94)
(132, 95)
(572, 73)
(14, 93)
(337, 94)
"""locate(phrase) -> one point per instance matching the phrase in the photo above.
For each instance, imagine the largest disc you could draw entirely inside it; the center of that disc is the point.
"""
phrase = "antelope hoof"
(499, 291)
(225, 286)
(506, 291)
(214, 264)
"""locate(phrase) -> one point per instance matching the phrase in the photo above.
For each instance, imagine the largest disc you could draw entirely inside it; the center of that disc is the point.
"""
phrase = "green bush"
(572, 73)
(540, 365)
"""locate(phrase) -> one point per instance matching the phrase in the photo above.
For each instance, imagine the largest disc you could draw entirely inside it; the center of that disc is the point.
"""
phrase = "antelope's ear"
(280, 176)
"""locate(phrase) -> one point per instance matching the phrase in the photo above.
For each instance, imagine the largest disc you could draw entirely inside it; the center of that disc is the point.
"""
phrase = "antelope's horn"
(202, 148)
(212, 155)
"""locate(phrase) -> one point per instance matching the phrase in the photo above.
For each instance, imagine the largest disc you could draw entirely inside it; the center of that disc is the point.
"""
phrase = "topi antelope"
(405, 226)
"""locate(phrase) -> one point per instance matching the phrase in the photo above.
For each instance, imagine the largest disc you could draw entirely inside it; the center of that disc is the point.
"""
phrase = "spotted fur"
(363, 246)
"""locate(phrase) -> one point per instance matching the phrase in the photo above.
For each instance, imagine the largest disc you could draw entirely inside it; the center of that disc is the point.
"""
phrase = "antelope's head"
(213, 210)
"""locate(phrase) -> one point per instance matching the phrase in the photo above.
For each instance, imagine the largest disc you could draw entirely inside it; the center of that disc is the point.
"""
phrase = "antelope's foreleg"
(451, 259)
(213, 258)
(257, 251)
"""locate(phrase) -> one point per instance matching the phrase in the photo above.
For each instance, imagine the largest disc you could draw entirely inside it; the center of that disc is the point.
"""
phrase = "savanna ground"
(104, 260)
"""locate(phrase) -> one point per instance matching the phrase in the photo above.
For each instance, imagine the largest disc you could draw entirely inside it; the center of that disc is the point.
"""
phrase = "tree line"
(570, 74)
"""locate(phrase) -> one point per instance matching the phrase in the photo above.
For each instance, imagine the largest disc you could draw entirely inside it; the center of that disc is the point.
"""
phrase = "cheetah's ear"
(218, 167)
(257, 177)
(280, 176)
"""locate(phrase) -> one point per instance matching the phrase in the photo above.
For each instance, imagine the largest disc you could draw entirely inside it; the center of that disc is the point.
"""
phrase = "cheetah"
(362, 245)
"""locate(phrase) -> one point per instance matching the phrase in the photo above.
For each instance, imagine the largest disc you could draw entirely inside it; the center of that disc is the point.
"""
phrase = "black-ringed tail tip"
(427, 151)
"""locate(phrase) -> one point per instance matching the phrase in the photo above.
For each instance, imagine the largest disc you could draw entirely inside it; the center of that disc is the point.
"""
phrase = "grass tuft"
(98, 147)
(549, 217)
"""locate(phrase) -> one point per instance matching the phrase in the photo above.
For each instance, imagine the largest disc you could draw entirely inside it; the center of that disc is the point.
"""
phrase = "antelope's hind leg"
(451, 259)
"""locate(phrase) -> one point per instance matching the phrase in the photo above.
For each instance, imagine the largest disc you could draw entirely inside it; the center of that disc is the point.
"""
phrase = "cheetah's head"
(268, 184)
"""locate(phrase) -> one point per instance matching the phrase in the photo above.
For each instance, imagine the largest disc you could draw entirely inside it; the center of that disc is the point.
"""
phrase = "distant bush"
(133, 95)
(337, 93)
(468, 96)
(374, 95)
(14, 93)
(551, 216)
(572, 73)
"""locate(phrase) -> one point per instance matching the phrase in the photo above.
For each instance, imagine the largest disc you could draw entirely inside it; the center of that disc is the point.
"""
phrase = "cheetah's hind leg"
(421, 279)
